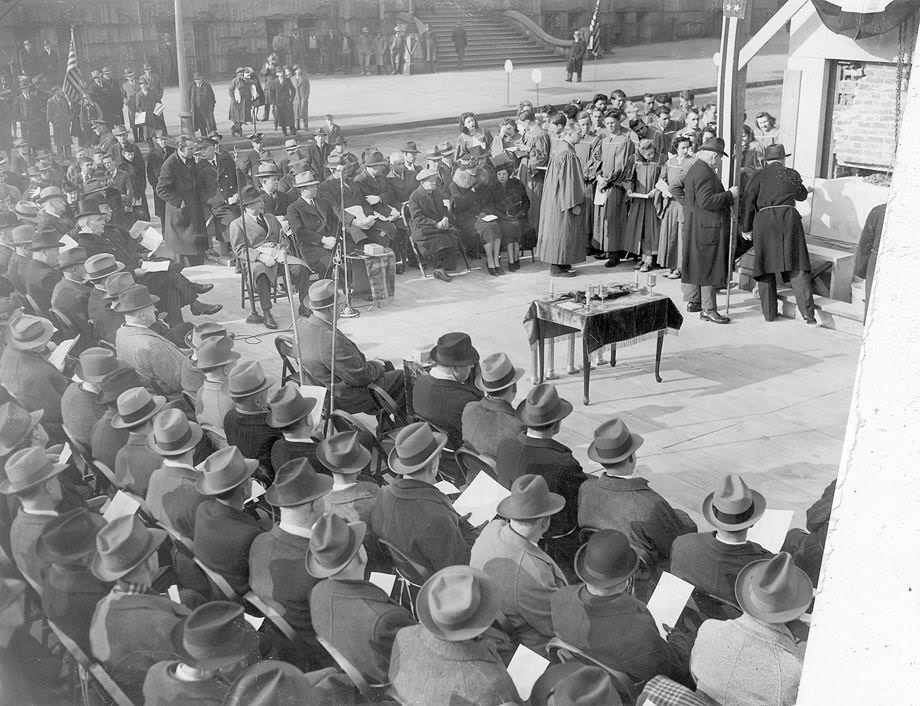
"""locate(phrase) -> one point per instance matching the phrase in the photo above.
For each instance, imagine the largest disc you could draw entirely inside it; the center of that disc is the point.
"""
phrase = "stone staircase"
(489, 42)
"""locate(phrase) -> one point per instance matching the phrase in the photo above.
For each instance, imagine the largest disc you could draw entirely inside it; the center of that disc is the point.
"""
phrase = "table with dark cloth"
(624, 320)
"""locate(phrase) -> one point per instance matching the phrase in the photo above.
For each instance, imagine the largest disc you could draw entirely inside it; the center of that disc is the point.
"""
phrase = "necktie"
(260, 219)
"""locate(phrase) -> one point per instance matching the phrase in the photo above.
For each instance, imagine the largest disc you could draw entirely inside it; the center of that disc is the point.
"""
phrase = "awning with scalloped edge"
(859, 19)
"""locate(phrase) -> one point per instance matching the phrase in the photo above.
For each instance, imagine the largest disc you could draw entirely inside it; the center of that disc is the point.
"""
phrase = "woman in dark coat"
(180, 187)
(471, 135)
(512, 204)
(475, 217)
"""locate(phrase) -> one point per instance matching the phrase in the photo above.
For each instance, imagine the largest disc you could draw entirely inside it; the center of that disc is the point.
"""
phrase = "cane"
(290, 289)
(253, 317)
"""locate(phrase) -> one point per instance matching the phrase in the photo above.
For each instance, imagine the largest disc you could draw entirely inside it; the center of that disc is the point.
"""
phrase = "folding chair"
(448, 469)
(81, 456)
(389, 416)
(371, 692)
(404, 212)
(86, 669)
(343, 421)
(244, 288)
(410, 575)
(471, 463)
(63, 323)
(219, 582)
(561, 651)
(290, 366)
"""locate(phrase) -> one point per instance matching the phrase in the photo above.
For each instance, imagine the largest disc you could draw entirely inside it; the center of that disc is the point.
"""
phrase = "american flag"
(73, 79)
(594, 30)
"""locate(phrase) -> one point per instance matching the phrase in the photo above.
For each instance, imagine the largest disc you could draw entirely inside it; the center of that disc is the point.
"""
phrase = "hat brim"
(586, 575)
(484, 386)
(471, 360)
(119, 309)
(194, 438)
(318, 571)
(244, 644)
(721, 153)
(323, 487)
(264, 386)
(249, 467)
(118, 421)
(398, 467)
(306, 185)
(475, 624)
(803, 594)
(101, 572)
(119, 266)
(562, 411)
(555, 503)
(636, 440)
(760, 504)
(231, 356)
(364, 458)
(6, 488)
(36, 418)
(47, 333)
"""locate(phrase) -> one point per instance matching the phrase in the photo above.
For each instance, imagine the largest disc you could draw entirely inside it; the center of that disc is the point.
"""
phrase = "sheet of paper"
(151, 239)
(384, 582)
(158, 109)
(525, 668)
(669, 600)
(66, 453)
(173, 593)
(67, 242)
(355, 211)
(122, 505)
(770, 530)
(489, 218)
(60, 353)
(155, 265)
(600, 197)
(446, 487)
(140, 118)
(258, 490)
(254, 620)
(481, 498)
(318, 393)
(137, 228)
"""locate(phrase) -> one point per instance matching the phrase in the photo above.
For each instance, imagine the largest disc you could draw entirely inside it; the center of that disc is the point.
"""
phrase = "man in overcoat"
(201, 99)
(576, 57)
(774, 224)
(707, 216)
(313, 223)
(179, 185)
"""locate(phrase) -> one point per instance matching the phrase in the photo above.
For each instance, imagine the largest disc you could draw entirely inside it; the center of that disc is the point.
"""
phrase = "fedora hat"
(45, 240)
(455, 349)
(373, 158)
(774, 590)
(714, 144)
(587, 686)
(69, 536)
(116, 284)
(124, 377)
(209, 329)
(343, 453)
(215, 635)
(409, 146)
(247, 378)
(101, 266)
(136, 406)
(16, 423)
(333, 544)
(255, 136)
(496, 373)
(173, 434)
(445, 149)
(88, 207)
(215, 352)
(224, 470)
(134, 298)
(458, 603)
(50, 192)
(290, 145)
(23, 235)
(95, 363)
(250, 194)
(320, 131)
(415, 445)
(28, 468)
(606, 559)
(321, 294)
(426, 174)
(268, 169)
(122, 546)
(28, 332)
(433, 154)
(734, 506)
(530, 499)
(26, 211)
(70, 258)
(775, 151)
(297, 483)
(543, 406)
(288, 406)
(305, 179)
(273, 683)
(613, 442)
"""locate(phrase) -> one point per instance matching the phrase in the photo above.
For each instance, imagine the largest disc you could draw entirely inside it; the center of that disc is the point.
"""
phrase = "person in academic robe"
(642, 223)
(612, 167)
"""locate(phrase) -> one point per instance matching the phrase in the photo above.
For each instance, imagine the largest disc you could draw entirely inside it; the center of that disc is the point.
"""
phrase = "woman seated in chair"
(511, 200)
(475, 216)
(429, 226)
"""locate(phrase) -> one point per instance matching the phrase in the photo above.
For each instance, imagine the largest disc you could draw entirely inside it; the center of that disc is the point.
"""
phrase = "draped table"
(622, 321)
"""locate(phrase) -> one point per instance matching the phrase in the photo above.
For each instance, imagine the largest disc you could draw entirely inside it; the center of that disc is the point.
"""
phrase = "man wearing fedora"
(106, 440)
(214, 358)
(132, 626)
(775, 226)
(224, 532)
(192, 377)
(246, 425)
(414, 516)
(276, 557)
(707, 211)
(202, 101)
(180, 187)
(70, 295)
(53, 218)
(450, 658)
(101, 269)
(378, 199)
(313, 223)
(41, 274)
(79, 408)
(756, 658)
(486, 422)
(343, 455)
(712, 560)
(353, 372)
(441, 396)
(429, 225)
(22, 237)
(618, 499)
(508, 551)
(70, 592)
(135, 462)
(355, 616)
(316, 154)
(535, 451)
(267, 176)
(601, 618)
(214, 644)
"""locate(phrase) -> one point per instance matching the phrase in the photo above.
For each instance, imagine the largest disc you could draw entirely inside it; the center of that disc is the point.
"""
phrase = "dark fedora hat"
(16, 423)
(116, 284)
(333, 544)
(134, 298)
(71, 257)
(124, 377)
(343, 453)
(86, 208)
(714, 144)
(273, 683)
(122, 546)
(458, 603)
(297, 483)
(250, 194)
(773, 590)
(409, 146)
(69, 536)
(543, 406)
(775, 151)
(215, 635)
(45, 240)
(455, 349)
(214, 353)
(136, 406)
(173, 434)
(496, 373)
(734, 506)
(95, 363)
(587, 686)
(288, 406)
(530, 499)
(606, 559)
(224, 470)
(28, 468)
(247, 378)
(415, 445)
(613, 442)
(373, 158)
(24, 234)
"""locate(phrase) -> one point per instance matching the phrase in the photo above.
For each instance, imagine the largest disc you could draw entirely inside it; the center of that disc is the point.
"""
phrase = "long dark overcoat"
(180, 186)
(707, 213)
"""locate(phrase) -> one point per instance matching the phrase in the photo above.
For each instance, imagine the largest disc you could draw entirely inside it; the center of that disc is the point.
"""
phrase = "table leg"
(587, 371)
(613, 355)
(533, 363)
(571, 369)
(552, 359)
(658, 348)
(540, 354)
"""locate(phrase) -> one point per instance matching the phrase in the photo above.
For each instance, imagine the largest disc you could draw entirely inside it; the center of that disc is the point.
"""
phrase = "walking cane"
(253, 317)
(287, 276)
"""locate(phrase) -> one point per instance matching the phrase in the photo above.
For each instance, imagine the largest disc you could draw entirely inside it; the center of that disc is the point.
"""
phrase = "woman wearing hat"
(475, 217)
(512, 202)
(429, 225)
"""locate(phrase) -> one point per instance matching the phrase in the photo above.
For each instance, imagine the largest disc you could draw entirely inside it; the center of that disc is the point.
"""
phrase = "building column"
(863, 644)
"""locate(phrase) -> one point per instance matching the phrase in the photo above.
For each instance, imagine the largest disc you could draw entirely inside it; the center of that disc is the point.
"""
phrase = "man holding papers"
(508, 552)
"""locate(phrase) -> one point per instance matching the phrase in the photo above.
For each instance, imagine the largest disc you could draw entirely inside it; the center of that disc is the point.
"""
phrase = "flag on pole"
(73, 79)
(594, 29)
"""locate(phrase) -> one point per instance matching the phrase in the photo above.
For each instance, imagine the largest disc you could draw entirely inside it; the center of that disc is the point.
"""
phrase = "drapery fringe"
(619, 344)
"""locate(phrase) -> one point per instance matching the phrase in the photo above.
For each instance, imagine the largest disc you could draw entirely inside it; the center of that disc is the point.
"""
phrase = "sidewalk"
(370, 103)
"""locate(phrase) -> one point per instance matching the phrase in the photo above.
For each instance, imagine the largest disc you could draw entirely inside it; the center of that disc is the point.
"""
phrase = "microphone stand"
(340, 257)
(290, 288)
(253, 317)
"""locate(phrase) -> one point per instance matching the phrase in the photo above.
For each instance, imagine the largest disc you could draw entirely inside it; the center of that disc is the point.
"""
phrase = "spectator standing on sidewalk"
(459, 39)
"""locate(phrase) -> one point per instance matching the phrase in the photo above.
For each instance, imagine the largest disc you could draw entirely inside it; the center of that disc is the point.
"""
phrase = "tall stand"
(290, 293)
(336, 259)
(253, 317)
(348, 311)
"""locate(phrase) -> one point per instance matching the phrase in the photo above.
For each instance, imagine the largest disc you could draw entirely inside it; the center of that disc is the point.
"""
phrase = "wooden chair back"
(561, 651)
(471, 463)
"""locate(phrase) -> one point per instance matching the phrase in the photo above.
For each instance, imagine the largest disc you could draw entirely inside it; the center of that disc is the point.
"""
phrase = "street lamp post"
(185, 112)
